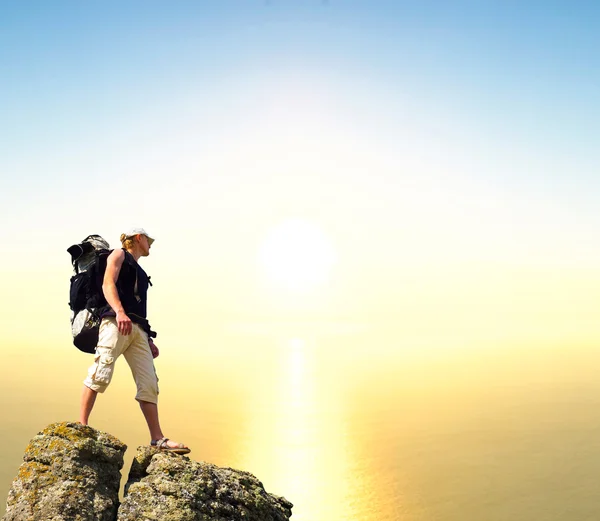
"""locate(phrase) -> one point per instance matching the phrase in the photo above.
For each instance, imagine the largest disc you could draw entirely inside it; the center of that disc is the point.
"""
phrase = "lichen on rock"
(70, 472)
(169, 487)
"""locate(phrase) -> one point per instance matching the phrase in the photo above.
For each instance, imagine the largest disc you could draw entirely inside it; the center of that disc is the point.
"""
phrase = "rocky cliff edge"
(71, 472)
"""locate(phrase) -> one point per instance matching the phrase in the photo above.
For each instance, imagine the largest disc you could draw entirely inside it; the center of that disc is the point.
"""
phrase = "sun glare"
(296, 255)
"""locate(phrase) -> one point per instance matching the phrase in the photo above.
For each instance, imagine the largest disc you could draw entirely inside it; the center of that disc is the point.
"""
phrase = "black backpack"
(86, 298)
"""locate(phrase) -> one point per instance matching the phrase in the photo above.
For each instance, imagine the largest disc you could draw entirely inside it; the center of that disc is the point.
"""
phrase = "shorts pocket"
(104, 368)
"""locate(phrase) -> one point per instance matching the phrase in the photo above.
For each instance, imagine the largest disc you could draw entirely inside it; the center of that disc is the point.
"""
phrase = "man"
(125, 331)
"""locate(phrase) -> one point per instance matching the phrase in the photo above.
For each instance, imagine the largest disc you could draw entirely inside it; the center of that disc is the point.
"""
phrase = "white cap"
(138, 231)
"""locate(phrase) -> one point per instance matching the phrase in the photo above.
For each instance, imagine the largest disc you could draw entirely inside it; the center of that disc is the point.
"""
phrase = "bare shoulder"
(116, 257)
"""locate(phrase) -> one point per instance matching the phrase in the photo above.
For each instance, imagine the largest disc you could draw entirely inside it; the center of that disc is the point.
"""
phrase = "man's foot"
(166, 445)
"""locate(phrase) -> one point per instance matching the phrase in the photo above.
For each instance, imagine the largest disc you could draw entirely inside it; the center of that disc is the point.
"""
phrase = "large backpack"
(86, 298)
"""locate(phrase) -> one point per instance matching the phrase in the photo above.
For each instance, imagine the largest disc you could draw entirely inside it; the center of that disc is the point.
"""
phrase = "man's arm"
(111, 294)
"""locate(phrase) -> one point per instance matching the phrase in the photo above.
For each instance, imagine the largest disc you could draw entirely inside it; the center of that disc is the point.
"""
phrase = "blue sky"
(507, 90)
(513, 68)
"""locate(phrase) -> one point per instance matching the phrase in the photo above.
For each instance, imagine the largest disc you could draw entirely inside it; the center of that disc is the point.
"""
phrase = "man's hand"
(124, 323)
(153, 348)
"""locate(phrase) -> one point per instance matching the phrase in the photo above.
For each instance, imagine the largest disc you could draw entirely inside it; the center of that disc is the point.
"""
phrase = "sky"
(441, 155)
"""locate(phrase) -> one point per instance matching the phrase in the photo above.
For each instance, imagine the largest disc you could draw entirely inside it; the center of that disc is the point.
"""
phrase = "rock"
(169, 487)
(70, 472)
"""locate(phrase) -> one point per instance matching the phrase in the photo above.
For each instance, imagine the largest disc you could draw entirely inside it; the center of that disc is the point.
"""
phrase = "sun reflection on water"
(288, 420)
(311, 449)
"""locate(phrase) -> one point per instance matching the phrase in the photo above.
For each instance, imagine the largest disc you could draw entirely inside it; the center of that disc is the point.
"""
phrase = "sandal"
(162, 446)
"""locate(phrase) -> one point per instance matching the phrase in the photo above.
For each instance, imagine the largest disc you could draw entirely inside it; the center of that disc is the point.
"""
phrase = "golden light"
(296, 256)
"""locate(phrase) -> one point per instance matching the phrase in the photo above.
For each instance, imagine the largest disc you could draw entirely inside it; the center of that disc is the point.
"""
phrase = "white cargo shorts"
(136, 350)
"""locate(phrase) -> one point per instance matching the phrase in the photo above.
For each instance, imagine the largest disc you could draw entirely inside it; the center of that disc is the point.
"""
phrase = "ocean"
(352, 423)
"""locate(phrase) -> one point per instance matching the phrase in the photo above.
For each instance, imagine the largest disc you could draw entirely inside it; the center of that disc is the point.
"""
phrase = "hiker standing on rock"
(124, 330)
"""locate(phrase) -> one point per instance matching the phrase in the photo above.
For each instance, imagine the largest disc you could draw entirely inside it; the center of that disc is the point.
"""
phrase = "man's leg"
(150, 411)
(110, 346)
(88, 399)
(139, 358)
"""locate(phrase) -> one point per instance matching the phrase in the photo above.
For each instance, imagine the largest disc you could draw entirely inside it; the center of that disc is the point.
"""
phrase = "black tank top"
(132, 285)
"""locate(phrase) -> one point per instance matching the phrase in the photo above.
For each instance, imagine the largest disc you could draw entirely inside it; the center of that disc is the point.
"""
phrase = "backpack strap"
(135, 288)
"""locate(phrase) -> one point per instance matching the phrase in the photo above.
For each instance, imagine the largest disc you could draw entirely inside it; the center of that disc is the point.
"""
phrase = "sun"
(296, 255)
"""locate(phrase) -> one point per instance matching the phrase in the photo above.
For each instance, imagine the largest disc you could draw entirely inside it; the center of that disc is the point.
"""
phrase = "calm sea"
(351, 423)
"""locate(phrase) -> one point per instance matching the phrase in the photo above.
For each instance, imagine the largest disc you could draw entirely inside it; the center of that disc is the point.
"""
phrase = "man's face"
(144, 245)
